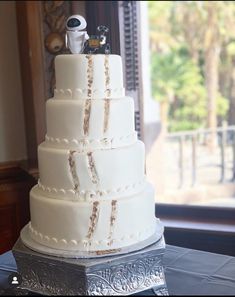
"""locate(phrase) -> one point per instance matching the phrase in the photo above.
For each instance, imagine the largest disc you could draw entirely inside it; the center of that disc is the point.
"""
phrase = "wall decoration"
(55, 14)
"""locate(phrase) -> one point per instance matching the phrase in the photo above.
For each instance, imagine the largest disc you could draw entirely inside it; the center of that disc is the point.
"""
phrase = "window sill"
(202, 226)
(197, 218)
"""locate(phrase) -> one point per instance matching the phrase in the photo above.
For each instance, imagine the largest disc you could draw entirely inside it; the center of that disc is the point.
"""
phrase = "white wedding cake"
(92, 194)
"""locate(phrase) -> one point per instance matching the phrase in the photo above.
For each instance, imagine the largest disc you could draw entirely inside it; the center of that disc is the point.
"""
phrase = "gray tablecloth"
(188, 272)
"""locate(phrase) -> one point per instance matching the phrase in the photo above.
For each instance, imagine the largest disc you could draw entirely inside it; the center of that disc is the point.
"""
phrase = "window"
(192, 81)
(191, 166)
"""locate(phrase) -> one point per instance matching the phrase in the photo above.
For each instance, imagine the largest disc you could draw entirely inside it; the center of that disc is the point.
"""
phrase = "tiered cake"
(92, 194)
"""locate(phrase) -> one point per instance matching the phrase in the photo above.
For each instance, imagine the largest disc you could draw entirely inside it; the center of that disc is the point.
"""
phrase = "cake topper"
(75, 38)
(96, 44)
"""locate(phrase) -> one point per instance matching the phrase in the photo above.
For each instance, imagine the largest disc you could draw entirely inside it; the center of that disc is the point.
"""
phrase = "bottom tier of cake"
(92, 226)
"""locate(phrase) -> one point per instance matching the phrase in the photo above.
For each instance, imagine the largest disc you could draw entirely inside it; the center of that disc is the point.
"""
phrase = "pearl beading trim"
(84, 195)
(84, 242)
(87, 144)
(82, 93)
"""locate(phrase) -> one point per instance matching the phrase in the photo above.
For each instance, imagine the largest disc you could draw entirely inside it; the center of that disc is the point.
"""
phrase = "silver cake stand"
(124, 272)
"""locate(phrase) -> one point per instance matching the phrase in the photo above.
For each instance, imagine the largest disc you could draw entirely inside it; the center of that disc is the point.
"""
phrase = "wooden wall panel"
(15, 185)
(30, 38)
(8, 226)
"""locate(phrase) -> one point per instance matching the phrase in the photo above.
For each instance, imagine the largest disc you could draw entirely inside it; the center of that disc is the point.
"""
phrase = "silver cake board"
(117, 274)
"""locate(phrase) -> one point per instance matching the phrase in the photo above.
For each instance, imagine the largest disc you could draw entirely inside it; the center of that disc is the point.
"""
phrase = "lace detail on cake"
(106, 114)
(113, 218)
(107, 76)
(92, 170)
(89, 75)
(87, 112)
(93, 221)
(108, 93)
(72, 166)
(87, 109)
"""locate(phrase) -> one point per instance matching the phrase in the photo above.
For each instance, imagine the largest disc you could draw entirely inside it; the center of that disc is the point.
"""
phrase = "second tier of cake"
(91, 123)
(83, 175)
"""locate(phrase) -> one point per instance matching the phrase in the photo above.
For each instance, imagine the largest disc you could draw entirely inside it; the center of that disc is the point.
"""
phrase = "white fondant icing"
(68, 221)
(65, 122)
(92, 194)
(115, 168)
(71, 74)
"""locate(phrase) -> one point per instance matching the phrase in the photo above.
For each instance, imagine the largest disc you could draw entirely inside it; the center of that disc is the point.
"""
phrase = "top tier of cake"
(82, 76)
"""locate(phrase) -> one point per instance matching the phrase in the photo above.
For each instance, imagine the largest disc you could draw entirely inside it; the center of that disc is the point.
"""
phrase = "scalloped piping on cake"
(77, 94)
(83, 195)
(104, 143)
(85, 242)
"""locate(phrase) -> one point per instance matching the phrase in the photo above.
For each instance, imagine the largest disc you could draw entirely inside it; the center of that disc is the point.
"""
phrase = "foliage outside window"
(193, 62)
